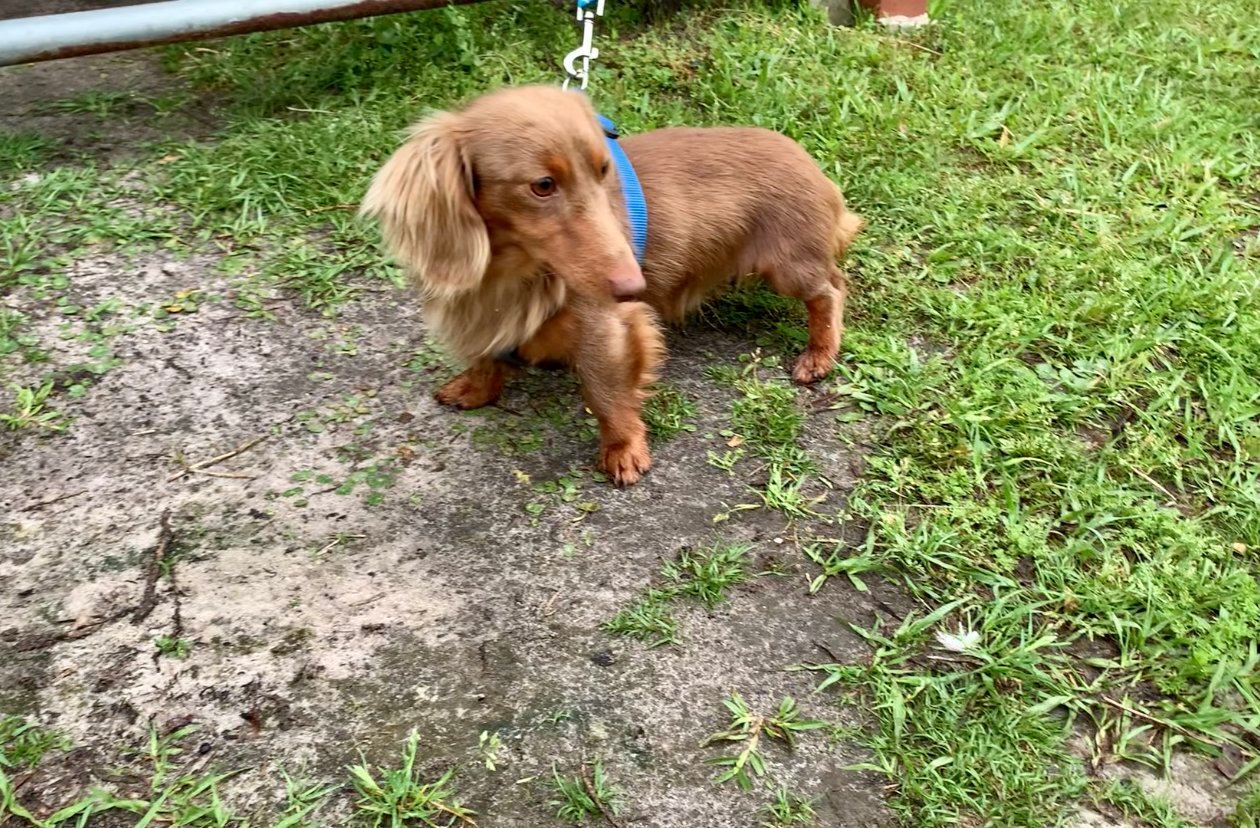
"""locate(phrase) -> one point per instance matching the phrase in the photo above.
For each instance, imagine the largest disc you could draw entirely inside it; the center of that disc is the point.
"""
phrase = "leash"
(631, 190)
(587, 51)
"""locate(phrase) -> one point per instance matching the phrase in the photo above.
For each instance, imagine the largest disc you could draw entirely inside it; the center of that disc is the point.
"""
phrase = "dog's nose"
(626, 280)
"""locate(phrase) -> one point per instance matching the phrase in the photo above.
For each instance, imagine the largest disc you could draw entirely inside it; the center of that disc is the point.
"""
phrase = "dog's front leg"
(623, 446)
(480, 384)
(619, 350)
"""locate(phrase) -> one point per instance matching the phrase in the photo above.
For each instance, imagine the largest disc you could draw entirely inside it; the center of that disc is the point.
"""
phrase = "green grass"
(1129, 798)
(23, 151)
(302, 799)
(29, 410)
(168, 647)
(588, 798)
(669, 412)
(767, 420)
(1053, 332)
(23, 743)
(11, 324)
(163, 784)
(398, 797)
(1005, 756)
(1247, 813)
(650, 619)
(50, 218)
(706, 576)
(775, 323)
(788, 809)
(171, 797)
(102, 104)
(746, 730)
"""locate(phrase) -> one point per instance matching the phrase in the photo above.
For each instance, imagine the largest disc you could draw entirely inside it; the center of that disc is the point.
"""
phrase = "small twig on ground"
(205, 464)
(548, 609)
(945, 658)
(823, 400)
(44, 641)
(893, 612)
(26, 777)
(508, 410)
(331, 207)
(41, 504)
(919, 46)
(467, 820)
(370, 600)
(1190, 734)
(337, 541)
(901, 41)
(158, 561)
(834, 658)
(84, 630)
(1172, 497)
(589, 784)
(177, 618)
(37, 642)
(165, 537)
(228, 475)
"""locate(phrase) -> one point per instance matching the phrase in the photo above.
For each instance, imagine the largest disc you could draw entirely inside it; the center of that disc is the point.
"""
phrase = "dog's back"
(724, 202)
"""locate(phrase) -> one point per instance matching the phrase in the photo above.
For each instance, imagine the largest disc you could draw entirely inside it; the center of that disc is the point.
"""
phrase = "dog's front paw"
(469, 391)
(811, 366)
(626, 462)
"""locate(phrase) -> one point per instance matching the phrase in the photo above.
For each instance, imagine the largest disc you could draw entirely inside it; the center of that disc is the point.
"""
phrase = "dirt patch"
(375, 564)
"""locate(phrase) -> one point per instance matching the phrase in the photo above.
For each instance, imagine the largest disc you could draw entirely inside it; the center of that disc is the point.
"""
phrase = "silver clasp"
(587, 51)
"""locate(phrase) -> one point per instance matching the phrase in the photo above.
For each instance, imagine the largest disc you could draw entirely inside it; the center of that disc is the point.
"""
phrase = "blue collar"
(631, 190)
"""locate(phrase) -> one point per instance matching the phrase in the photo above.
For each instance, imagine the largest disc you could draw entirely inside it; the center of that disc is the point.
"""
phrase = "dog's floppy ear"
(424, 201)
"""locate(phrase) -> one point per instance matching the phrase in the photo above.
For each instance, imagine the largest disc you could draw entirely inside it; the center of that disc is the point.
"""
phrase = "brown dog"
(508, 217)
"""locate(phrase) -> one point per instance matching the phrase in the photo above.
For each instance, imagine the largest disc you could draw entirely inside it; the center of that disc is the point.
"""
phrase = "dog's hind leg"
(480, 384)
(824, 296)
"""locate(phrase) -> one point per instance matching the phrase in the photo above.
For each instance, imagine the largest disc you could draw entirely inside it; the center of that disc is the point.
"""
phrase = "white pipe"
(51, 36)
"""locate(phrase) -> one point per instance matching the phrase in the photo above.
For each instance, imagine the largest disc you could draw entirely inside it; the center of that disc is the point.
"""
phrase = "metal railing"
(53, 36)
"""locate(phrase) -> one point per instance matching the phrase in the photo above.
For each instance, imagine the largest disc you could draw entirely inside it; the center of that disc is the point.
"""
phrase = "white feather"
(960, 643)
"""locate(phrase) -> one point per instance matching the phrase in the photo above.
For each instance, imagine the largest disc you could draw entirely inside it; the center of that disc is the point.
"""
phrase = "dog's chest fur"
(501, 314)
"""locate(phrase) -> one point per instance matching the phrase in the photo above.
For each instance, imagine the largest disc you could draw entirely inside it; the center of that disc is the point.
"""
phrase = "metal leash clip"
(587, 51)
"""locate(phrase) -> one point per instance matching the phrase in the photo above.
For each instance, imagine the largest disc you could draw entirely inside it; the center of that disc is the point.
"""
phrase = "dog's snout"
(626, 280)
(627, 290)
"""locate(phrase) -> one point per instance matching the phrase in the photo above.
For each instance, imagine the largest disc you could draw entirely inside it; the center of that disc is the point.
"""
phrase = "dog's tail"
(646, 345)
(848, 225)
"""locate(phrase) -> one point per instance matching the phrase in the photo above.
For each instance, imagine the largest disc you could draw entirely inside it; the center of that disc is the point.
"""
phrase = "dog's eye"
(603, 171)
(543, 187)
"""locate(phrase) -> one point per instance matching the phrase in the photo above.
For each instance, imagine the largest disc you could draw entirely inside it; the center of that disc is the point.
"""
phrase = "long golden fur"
(509, 219)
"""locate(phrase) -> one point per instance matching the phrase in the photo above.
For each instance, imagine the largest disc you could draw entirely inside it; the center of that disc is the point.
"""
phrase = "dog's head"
(527, 167)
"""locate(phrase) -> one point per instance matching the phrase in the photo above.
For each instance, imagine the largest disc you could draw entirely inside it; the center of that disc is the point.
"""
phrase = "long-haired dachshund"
(509, 218)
